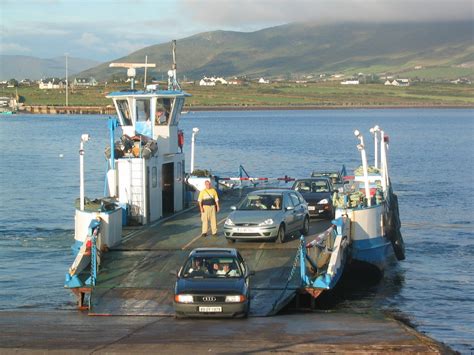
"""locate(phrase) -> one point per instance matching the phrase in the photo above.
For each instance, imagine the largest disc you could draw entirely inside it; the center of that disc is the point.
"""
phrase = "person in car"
(276, 204)
(227, 270)
(198, 267)
(259, 205)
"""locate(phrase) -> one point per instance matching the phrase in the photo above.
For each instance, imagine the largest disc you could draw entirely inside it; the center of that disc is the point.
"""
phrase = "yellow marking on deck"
(199, 236)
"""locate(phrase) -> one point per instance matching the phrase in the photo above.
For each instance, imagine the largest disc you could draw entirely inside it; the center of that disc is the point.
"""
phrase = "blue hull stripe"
(373, 251)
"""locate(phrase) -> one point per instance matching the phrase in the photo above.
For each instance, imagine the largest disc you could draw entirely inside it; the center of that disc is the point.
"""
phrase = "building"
(350, 82)
(263, 81)
(52, 83)
(398, 82)
(85, 82)
(212, 81)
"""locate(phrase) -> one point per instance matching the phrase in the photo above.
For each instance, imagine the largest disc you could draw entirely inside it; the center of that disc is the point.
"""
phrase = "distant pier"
(76, 110)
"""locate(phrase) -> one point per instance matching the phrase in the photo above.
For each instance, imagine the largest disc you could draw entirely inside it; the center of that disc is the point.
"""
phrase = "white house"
(398, 82)
(51, 83)
(350, 82)
(212, 81)
(206, 82)
(263, 81)
(85, 82)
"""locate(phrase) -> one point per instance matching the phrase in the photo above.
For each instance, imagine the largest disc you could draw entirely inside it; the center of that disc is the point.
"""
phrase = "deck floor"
(135, 278)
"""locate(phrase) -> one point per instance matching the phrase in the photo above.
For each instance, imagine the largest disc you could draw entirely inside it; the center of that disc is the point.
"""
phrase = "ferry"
(126, 243)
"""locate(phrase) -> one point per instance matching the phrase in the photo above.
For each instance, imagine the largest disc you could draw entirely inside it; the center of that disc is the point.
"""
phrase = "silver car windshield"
(260, 202)
(211, 267)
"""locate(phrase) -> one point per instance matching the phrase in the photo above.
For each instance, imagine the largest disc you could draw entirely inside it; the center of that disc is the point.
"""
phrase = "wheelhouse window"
(177, 107)
(124, 110)
(163, 111)
(143, 110)
(143, 122)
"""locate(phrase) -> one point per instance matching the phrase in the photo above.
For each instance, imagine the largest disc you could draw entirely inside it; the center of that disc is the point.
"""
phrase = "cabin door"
(168, 188)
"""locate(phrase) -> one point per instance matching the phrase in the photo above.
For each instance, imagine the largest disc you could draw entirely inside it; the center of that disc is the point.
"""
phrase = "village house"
(398, 82)
(212, 81)
(350, 82)
(85, 82)
(263, 81)
(52, 83)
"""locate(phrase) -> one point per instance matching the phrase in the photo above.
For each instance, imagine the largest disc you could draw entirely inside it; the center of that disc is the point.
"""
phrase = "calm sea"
(432, 169)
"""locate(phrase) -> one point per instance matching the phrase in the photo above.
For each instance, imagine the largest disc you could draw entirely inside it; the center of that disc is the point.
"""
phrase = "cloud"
(248, 13)
(13, 48)
(88, 40)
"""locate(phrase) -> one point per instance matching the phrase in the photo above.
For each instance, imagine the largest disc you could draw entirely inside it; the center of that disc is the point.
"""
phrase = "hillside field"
(277, 95)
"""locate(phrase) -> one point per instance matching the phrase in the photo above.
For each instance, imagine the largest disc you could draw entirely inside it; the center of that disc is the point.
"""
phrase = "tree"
(13, 82)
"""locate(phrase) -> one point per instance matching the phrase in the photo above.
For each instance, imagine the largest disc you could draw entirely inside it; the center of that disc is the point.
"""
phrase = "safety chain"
(292, 273)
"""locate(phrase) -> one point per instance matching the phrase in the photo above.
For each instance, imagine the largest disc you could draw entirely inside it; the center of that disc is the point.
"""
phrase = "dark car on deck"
(335, 177)
(317, 192)
(213, 282)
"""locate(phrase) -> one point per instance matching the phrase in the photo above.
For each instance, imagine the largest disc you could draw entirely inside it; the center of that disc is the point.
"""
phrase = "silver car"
(268, 214)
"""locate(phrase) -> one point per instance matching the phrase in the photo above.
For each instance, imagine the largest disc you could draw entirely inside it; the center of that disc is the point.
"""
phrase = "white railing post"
(84, 138)
(195, 131)
(361, 148)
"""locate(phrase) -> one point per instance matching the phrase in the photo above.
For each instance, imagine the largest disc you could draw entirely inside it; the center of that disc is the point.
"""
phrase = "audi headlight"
(183, 299)
(323, 202)
(267, 222)
(229, 222)
(235, 299)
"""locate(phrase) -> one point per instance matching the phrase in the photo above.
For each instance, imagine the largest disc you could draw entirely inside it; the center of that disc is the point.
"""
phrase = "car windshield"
(211, 267)
(261, 202)
(335, 177)
(307, 186)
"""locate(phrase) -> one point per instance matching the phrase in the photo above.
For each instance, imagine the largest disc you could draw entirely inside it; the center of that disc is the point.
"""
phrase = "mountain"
(307, 48)
(24, 67)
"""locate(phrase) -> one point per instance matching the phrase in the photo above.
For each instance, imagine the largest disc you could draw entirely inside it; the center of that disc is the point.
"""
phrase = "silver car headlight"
(323, 202)
(229, 222)
(267, 222)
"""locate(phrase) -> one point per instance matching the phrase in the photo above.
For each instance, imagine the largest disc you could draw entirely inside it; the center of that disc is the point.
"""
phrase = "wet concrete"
(333, 332)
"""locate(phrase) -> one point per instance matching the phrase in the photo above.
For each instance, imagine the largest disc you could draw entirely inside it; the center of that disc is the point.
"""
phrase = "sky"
(105, 30)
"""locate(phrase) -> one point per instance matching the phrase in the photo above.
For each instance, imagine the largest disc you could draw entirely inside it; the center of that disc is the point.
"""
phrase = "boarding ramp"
(136, 277)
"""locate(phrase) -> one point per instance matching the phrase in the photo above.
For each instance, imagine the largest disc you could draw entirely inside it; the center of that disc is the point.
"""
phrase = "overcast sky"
(109, 29)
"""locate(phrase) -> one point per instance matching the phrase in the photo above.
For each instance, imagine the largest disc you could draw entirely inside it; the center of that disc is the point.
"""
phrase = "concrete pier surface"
(322, 332)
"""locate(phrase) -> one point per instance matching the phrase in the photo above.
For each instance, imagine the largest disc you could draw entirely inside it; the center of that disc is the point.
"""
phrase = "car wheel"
(305, 229)
(230, 240)
(281, 234)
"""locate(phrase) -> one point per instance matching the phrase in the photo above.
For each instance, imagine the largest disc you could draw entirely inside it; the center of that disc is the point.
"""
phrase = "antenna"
(172, 78)
(131, 72)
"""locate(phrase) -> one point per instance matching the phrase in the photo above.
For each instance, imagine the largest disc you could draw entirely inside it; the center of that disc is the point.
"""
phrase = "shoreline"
(107, 110)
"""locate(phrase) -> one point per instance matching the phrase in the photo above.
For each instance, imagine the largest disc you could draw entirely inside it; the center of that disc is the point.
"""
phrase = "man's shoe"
(204, 235)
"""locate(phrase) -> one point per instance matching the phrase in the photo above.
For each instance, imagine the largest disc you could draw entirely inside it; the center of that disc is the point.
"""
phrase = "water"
(432, 170)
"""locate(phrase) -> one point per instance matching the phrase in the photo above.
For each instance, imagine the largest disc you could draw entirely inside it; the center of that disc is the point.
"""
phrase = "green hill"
(441, 50)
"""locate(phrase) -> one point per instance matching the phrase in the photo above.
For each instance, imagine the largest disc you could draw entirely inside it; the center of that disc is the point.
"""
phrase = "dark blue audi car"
(213, 282)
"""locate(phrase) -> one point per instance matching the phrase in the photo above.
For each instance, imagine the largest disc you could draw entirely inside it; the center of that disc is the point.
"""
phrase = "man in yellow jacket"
(209, 205)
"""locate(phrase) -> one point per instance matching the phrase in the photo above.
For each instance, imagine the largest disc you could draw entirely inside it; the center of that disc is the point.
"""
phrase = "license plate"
(244, 230)
(210, 309)
(311, 208)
